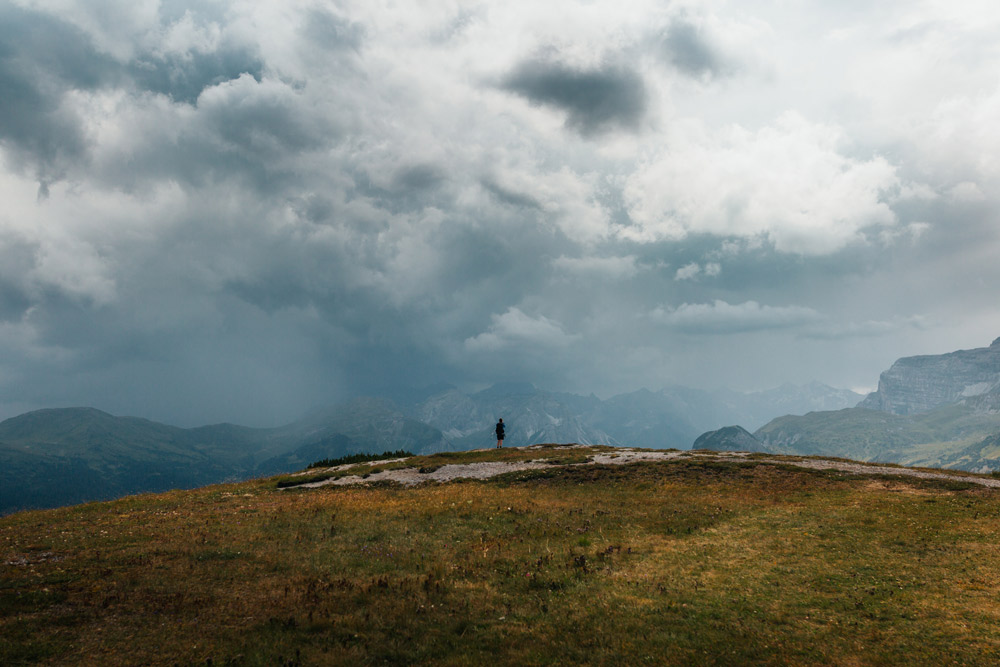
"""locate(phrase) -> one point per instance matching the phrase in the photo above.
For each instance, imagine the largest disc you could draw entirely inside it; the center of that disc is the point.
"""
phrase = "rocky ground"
(621, 456)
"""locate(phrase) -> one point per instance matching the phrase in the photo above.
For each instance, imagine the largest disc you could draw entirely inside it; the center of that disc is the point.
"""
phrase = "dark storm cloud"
(242, 128)
(18, 258)
(288, 270)
(183, 77)
(267, 206)
(243, 131)
(237, 355)
(687, 49)
(407, 188)
(418, 177)
(262, 124)
(595, 100)
(41, 58)
(414, 187)
(509, 197)
(393, 323)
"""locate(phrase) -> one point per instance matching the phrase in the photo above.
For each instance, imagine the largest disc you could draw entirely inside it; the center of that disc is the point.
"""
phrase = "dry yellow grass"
(682, 562)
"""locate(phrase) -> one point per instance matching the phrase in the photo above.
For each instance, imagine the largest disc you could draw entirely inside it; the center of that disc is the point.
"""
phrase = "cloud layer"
(594, 100)
(232, 211)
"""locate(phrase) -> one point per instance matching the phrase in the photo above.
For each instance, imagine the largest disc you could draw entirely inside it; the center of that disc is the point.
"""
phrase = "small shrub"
(360, 458)
(299, 480)
(217, 555)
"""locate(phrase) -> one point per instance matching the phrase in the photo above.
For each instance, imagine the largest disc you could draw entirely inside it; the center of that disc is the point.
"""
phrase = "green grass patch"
(286, 481)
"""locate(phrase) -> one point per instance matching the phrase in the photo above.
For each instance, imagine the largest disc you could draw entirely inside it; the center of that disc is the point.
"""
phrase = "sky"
(236, 210)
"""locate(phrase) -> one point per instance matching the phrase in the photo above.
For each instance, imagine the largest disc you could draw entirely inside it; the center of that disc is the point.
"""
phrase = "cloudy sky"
(233, 210)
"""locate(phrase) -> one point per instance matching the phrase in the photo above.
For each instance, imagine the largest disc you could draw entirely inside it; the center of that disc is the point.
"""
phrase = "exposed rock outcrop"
(918, 384)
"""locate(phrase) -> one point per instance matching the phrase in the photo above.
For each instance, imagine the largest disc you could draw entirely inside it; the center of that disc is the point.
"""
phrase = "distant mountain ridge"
(71, 455)
(62, 456)
(671, 417)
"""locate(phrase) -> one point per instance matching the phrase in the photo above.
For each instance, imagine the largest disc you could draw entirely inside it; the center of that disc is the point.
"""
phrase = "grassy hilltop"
(693, 560)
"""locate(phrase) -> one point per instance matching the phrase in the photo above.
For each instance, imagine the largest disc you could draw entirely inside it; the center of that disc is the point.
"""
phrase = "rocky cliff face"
(917, 384)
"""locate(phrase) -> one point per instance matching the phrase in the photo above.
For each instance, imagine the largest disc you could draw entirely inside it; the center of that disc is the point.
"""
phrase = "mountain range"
(930, 410)
(57, 457)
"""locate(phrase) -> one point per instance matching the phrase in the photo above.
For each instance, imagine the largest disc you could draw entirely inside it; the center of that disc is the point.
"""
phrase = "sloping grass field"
(682, 562)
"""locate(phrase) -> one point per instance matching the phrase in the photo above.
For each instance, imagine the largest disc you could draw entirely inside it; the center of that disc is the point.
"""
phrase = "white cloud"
(788, 181)
(514, 327)
(566, 198)
(688, 271)
(967, 191)
(69, 258)
(185, 35)
(960, 141)
(693, 270)
(721, 317)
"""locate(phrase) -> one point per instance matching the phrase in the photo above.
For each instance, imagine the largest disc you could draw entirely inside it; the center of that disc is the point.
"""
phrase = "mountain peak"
(54, 419)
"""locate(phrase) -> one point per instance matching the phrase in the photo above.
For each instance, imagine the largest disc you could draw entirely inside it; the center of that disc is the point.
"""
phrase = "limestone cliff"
(917, 384)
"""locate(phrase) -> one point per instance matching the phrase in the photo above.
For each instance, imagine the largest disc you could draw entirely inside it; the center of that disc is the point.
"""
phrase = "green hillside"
(938, 438)
(984, 454)
(695, 559)
(65, 456)
(854, 433)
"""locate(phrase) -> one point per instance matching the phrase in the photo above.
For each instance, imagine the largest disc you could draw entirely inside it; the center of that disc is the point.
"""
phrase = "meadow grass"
(680, 562)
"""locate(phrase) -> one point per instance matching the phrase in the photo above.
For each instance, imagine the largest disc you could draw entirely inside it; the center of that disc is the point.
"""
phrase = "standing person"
(500, 433)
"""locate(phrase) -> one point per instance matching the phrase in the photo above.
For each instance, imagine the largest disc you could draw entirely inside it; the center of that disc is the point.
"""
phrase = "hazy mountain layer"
(531, 417)
(670, 418)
